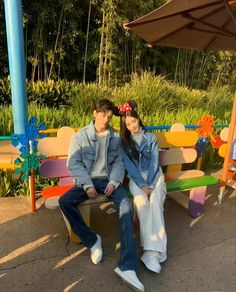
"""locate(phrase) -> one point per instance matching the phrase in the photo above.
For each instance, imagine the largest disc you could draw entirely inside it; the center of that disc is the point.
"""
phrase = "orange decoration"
(217, 142)
(206, 126)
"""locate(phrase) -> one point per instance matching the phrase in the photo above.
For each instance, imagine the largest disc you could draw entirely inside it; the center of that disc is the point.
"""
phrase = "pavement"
(35, 254)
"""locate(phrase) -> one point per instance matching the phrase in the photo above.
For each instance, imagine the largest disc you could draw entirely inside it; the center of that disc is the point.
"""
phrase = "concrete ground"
(35, 255)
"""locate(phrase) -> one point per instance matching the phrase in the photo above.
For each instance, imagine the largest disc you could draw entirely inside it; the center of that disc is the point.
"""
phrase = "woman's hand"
(147, 190)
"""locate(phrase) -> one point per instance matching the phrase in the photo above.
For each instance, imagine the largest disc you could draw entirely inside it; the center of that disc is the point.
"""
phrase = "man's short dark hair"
(103, 105)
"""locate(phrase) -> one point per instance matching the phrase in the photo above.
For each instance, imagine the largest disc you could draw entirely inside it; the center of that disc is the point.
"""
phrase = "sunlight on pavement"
(25, 248)
(69, 258)
(68, 288)
(196, 220)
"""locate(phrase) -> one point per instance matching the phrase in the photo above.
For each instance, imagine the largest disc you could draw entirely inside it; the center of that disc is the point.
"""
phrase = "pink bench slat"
(54, 168)
(177, 156)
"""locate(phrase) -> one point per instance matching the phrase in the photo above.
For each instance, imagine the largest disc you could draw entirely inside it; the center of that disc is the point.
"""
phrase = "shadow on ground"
(35, 256)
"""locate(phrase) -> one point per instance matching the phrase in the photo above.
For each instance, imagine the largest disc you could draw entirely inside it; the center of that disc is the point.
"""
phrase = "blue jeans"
(76, 195)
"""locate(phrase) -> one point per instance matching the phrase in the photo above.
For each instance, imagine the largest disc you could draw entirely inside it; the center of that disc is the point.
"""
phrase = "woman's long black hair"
(128, 143)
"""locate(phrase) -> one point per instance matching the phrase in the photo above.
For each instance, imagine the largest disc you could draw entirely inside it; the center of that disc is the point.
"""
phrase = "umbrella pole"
(224, 175)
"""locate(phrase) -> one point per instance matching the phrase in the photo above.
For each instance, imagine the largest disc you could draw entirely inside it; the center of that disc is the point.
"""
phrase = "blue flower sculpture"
(28, 146)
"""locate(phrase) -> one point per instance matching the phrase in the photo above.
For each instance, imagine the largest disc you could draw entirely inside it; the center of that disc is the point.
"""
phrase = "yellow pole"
(9, 166)
(199, 163)
(53, 131)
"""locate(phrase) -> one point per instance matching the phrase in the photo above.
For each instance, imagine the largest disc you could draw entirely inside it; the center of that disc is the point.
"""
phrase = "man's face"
(102, 119)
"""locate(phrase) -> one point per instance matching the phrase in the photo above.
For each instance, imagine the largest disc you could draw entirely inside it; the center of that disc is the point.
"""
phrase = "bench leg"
(85, 212)
(196, 201)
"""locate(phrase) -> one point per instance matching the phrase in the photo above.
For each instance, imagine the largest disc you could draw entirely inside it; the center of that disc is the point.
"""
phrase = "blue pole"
(16, 57)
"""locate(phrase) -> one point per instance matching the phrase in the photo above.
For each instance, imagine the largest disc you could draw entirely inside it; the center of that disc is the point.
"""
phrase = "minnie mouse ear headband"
(126, 107)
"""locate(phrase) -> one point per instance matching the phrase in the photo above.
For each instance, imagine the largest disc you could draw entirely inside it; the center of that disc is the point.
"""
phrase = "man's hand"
(91, 192)
(147, 191)
(109, 189)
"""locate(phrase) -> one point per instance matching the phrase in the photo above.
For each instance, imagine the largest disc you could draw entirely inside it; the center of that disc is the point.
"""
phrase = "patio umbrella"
(194, 24)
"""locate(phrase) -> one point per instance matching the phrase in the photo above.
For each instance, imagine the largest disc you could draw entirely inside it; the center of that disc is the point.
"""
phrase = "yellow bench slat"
(176, 139)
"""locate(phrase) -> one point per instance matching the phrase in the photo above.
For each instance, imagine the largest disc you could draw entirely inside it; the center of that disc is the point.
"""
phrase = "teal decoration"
(29, 158)
(28, 162)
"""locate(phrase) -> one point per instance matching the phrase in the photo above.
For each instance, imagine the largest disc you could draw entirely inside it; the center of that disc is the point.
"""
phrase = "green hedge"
(160, 102)
(153, 94)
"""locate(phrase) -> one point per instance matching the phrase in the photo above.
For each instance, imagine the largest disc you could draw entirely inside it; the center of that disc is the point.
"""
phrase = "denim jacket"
(148, 161)
(84, 152)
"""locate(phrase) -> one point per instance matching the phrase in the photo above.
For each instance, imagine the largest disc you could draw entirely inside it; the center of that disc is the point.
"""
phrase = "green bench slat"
(189, 183)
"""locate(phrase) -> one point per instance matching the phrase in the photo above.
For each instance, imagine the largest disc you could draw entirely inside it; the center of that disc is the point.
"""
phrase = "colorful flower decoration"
(124, 108)
(31, 134)
(206, 126)
(28, 162)
(27, 144)
(216, 142)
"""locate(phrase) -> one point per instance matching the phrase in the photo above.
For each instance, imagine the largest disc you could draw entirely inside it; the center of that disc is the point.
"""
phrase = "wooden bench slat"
(52, 202)
(55, 191)
(51, 168)
(176, 139)
(183, 174)
(56, 146)
(222, 150)
(224, 134)
(8, 153)
(65, 181)
(189, 183)
(6, 148)
(177, 156)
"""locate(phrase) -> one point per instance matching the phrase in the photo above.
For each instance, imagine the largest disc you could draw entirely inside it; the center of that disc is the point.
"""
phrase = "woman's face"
(132, 124)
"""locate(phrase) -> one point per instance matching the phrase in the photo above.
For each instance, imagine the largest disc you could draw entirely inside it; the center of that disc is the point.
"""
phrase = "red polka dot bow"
(124, 108)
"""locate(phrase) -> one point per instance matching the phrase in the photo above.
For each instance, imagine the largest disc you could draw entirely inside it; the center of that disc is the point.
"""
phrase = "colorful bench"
(8, 154)
(222, 152)
(56, 168)
(56, 149)
(176, 150)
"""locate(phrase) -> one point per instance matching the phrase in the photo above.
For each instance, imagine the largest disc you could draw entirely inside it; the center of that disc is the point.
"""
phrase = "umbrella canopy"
(193, 24)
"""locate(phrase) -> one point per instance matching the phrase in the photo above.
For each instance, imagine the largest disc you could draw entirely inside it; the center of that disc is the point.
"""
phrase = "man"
(95, 163)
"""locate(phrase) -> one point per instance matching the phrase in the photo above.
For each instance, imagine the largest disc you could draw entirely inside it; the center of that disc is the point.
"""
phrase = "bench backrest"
(56, 149)
(56, 146)
(176, 149)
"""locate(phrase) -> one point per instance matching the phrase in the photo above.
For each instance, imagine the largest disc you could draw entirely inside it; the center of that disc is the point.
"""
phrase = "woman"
(140, 155)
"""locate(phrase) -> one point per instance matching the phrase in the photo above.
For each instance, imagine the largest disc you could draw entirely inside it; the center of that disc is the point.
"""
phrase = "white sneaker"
(162, 257)
(150, 260)
(96, 251)
(130, 278)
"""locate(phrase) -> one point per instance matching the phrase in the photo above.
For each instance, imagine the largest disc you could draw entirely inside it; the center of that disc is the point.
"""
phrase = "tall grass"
(56, 118)
(159, 103)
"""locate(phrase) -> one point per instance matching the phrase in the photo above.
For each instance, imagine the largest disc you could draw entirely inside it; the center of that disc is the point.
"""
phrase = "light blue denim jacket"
(84, 152)
(148, 161)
